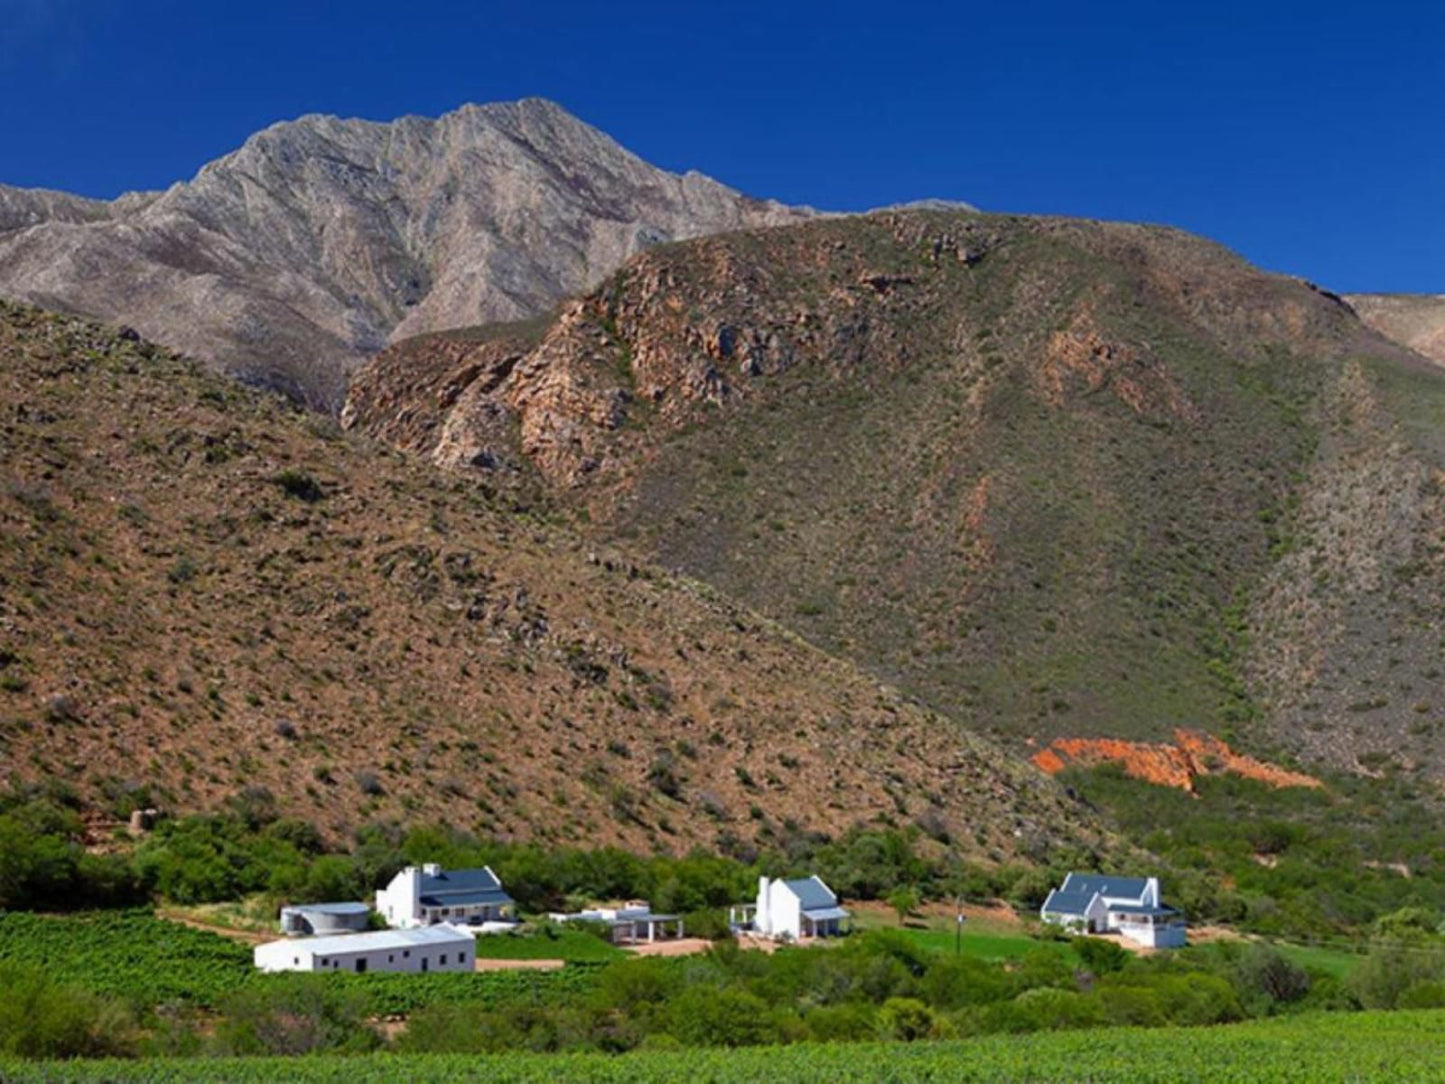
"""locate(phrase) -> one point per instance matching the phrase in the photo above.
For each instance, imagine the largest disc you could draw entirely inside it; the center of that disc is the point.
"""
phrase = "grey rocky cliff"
(291, 260)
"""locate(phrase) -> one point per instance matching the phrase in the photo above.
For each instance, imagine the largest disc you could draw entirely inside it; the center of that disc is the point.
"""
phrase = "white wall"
(399, 902)
(779, 912)
(297, 956)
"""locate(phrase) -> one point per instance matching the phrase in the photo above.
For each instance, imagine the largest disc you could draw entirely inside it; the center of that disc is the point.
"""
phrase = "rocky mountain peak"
(320, 240)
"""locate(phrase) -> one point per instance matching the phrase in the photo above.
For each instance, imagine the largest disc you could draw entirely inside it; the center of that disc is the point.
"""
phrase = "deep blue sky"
(1306, 135)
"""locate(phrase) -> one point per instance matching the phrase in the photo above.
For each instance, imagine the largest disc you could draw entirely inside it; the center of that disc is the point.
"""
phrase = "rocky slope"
(1414, 320)
(202, 590)
(292, 259)
(1057, 478)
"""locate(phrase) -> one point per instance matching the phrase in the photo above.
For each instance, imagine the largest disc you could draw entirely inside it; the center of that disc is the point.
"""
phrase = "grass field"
(984, 938)
(1318, 1049)
(1335, 962)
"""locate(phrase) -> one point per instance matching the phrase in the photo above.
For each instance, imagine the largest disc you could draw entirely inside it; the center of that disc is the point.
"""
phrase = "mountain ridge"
(1057, 478)
(290, 259)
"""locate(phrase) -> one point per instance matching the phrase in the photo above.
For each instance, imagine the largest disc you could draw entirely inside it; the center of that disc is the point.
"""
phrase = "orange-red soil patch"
(1193, 754)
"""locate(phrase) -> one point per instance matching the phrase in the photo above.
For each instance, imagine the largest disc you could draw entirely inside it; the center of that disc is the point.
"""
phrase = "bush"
(1100, 956)
(299, 484)
(42, 1019)
(851, 1022)
(701, 1017)
(1423, 995)
(1260, 972)
(906, 1019)
(304, 1014)
(1391, 969)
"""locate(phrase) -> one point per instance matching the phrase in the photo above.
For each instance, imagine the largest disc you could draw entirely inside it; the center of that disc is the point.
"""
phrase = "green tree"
(904, 901)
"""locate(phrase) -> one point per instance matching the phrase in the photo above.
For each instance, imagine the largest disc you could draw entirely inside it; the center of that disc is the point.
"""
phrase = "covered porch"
(826, 922)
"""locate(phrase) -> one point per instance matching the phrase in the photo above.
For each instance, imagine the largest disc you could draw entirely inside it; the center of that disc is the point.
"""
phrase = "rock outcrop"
(294, 258)
(1192, 755)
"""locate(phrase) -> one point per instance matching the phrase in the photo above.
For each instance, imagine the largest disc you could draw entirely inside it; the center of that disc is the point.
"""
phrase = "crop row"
(1320, 1049)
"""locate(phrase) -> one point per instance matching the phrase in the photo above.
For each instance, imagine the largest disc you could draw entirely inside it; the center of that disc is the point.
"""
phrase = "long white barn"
(426, 948)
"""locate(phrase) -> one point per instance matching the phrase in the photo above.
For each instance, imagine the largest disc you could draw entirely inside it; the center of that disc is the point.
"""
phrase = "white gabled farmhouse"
(792, 910)
(426, 895)
(1129, 906)
(429, 948)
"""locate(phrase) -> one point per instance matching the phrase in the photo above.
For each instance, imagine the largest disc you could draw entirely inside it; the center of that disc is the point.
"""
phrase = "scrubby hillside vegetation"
(1057, 478)
(204, 592)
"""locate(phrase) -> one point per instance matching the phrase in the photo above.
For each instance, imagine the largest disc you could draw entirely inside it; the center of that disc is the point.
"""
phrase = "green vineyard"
(1313, 1049)
(148, 962)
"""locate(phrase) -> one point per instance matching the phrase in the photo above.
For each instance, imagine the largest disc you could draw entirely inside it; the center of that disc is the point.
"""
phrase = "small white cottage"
(426, 895)
(631, 924)
(427, 948)
(1129, 906)
(793, 910)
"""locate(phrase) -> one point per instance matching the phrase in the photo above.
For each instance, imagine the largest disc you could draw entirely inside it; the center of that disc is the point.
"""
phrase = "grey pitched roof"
(1061, 902)
(812, 893)
(1123, 887)
(462, 887)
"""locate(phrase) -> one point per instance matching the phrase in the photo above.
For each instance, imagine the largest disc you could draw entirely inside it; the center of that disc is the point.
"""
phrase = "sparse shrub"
(183, 571)
(300, 485)
(62, 708)
(662, 774)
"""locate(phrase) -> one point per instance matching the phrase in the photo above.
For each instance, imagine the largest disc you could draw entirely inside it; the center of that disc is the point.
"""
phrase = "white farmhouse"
(426, 895)
(428, 948)
(792, 910)
(1129, 906)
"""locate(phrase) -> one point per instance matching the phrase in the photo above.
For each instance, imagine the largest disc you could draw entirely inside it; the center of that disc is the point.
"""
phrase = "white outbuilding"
(325, 918)
(791, 910)
(426, 948)
(631, 924)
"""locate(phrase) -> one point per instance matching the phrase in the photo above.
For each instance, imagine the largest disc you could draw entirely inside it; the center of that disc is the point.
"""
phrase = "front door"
(424, 963)
(360, 965)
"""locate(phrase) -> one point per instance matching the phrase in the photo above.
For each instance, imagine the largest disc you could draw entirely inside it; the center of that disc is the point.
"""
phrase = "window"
(391, 957)
(323, 961)
(406, 954)
(443, 960)
(296, 961)
(461, 957)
